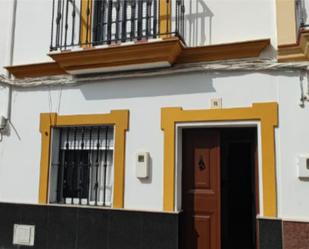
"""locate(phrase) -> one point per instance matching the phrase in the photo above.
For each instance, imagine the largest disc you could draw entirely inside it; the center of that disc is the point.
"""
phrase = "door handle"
(201, 164)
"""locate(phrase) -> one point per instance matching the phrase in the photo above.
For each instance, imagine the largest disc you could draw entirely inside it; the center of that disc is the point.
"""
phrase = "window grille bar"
(97, 9)
(52, 26)
(133, 13)
(60, 171)
(62, 21)
(155, 18)
(80, 164)
(66, 26)
(104, 22)
(148, 18)
(109, 21)
(105, 166)
(73, 22)
(140, 20)
(97, 164)
(117, 7)
(183, 10)
(80, 24)
(58, 20)
(74, 185)
(66, 165)
(89, 167)
(177, 16)
(124, 22)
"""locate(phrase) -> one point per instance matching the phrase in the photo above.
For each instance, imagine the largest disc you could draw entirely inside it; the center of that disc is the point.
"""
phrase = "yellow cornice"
(295, 52)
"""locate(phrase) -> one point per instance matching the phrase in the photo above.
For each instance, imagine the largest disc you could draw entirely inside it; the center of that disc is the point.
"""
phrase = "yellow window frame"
(118, 118)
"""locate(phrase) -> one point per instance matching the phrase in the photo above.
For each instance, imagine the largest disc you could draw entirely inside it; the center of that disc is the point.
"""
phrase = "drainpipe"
(7, 115)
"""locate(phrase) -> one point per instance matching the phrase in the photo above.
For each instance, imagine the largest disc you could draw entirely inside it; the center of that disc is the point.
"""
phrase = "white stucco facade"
(221, 22)
(143, 97)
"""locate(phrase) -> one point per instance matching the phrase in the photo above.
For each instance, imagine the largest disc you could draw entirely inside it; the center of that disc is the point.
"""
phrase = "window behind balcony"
(82, 166)
(121, 21)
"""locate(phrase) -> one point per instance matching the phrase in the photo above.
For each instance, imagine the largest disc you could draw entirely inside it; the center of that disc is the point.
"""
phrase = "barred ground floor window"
(81, 171)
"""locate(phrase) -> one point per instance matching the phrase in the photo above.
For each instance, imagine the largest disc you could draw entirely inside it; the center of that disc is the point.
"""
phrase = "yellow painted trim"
(165, 17)
(86, 21)
(286, 22)
(265, 113)
(296, 52)
(118, 118)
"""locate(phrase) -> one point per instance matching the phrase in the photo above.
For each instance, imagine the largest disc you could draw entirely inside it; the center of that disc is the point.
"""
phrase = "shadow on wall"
(198, 23)
(149, 87)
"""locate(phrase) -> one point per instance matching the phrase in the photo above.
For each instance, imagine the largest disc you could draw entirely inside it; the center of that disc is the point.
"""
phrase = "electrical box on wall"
(23, 235)
(303, 166)
(142, 165)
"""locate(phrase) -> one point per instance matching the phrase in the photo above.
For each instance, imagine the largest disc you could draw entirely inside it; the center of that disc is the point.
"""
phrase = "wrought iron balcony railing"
(301, 14)
(83, 23)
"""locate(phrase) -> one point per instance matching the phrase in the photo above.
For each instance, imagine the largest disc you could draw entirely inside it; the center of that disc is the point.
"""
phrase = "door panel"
(201, 189)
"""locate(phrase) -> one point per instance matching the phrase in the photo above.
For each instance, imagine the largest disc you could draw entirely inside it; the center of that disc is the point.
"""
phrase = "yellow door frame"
(265, 113)
(118, 118)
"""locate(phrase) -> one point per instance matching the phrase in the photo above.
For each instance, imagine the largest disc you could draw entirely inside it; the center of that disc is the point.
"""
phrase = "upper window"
(81, 170)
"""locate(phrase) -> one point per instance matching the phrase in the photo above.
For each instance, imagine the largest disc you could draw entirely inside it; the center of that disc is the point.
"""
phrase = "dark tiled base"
(86, 228)
(270, 234)
(296, 235)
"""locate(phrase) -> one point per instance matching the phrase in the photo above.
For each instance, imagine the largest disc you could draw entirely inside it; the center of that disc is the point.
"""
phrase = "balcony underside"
(136, 56)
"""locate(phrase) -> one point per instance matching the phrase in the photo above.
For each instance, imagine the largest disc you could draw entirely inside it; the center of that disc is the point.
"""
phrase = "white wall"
(33, 31)
(6, 7)
(292, 141)
(5, 24)
(20, 152)
(223, 21)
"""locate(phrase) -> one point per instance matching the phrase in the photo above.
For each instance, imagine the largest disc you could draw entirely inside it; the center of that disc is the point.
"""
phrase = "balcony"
(87, 23)
(95, 36)
(301, 7)
(105, 36)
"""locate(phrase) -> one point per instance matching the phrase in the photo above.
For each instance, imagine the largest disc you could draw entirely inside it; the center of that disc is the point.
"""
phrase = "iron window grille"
(112, 21)
(81, 171)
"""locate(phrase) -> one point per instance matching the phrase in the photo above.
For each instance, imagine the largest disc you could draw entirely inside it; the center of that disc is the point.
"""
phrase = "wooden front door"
(201, 189)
